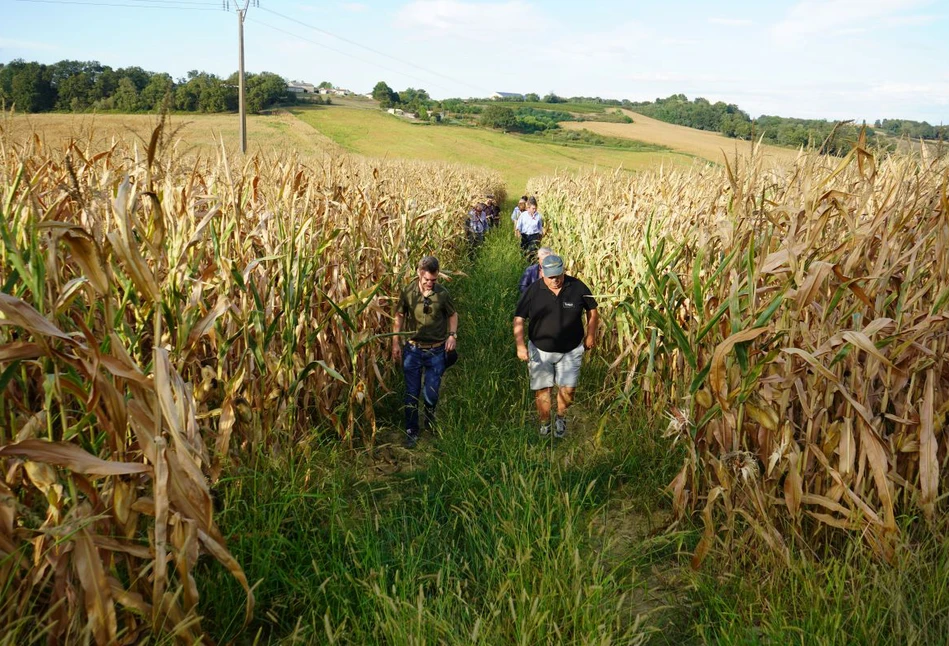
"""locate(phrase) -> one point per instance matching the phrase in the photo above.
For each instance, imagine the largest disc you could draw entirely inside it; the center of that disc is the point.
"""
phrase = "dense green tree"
(385, 95)
(160, 87)
(137, 75)
(325, 85)
(31, 88)
(530, 96)
(74, 93)
(265, 90)
(499, 116)
(106, 82)
(126, 98)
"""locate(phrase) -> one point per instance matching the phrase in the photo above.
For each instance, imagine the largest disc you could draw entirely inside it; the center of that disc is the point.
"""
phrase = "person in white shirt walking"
(516, 213)
(530, 225)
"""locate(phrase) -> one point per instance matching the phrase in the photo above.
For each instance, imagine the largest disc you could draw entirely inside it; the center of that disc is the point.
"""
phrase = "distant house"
(301, 88)
(500, 96)
(341, 92)
(325, 90)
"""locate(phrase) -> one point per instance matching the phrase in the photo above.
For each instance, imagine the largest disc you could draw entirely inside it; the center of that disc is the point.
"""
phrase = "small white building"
(498, 96)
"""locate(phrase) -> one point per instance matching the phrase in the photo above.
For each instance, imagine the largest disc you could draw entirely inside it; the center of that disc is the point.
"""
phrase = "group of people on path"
(552, 305)
(482, 216)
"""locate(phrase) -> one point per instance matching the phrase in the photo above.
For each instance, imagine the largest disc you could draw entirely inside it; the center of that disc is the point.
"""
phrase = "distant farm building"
(301, 88)
(500, 96)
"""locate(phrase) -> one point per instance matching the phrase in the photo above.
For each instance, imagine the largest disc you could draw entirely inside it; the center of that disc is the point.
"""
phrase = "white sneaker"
(560, 427)
(545, 429)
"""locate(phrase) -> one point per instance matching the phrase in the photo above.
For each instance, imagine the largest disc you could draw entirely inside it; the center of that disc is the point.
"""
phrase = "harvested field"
(200, 133)
(708, 145)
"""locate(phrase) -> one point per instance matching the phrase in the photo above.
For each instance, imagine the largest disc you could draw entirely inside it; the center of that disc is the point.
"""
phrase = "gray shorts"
(547, 367)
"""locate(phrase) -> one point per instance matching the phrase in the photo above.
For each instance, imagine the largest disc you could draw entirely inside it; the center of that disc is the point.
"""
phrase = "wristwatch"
(454, 334)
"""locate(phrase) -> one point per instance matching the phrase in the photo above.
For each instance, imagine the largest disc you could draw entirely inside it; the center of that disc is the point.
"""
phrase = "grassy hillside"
(378, 134)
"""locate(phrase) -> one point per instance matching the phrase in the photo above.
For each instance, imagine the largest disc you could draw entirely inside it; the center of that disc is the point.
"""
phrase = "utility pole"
(241, 13)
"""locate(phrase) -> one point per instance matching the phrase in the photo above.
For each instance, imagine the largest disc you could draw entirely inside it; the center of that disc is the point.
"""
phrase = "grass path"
(485, 533)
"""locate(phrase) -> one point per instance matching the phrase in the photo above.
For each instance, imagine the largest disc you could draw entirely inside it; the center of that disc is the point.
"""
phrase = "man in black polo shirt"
(554, 306)
(427, 312)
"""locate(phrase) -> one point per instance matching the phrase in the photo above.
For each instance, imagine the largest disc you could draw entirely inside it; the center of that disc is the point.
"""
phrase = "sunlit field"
(707, 145)
(377, 134)
(200, 422)
(188, 133)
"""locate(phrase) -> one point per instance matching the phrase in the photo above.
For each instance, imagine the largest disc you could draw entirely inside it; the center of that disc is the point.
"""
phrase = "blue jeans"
(417, 362)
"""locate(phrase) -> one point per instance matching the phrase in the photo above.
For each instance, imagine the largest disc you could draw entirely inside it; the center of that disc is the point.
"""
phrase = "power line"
(375, 51)
(116, 4)
(339, 51)
(203, 3)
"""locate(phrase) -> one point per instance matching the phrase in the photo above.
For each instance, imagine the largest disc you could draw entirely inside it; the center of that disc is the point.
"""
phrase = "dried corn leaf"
(65, 454)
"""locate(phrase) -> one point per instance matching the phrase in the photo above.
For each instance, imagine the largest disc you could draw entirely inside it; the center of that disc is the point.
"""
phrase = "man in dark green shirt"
(427, 315)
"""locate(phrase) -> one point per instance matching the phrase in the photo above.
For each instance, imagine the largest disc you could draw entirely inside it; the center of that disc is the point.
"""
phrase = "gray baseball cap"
(552, 266)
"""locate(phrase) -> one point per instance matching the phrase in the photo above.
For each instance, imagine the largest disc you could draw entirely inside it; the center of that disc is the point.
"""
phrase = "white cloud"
(812, 17)
(353, 7)
(307, 8)
(33, 45)
(624, 44)
(680, 79)
(453, 19)
(730, 22)
(936, 92)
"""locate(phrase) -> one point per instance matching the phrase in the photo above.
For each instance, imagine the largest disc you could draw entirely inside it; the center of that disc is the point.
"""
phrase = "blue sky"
(834, 59)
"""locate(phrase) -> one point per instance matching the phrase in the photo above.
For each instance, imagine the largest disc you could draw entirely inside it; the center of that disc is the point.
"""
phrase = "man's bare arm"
(593, 322)
(519, 338)
(452, 342)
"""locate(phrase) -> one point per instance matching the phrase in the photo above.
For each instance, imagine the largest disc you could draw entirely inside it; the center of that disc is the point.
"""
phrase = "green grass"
(377, 134)
(844, 597)
(486, 532)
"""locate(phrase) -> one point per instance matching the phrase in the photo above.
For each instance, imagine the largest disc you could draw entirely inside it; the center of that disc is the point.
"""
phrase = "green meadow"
(518, 158)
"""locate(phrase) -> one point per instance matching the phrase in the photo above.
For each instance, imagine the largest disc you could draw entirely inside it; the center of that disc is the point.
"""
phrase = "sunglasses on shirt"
(427, 305)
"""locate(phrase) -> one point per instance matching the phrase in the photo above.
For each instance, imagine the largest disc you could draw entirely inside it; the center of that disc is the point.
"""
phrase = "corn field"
(163, 317)
(792, 322)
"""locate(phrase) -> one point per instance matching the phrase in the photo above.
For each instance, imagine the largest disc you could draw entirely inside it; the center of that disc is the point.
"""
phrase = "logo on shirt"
(568, 305)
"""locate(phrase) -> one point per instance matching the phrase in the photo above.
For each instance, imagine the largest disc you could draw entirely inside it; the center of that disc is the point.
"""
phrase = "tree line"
(78, 86)
(728, 119)
(911, 129)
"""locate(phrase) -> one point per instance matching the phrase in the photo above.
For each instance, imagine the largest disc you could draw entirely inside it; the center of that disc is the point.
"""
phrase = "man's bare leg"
(564, 399)
(542, 401)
